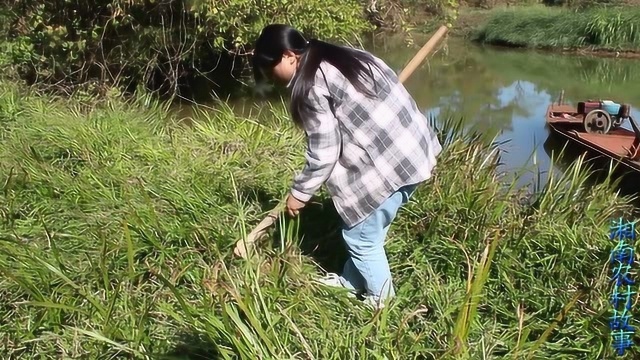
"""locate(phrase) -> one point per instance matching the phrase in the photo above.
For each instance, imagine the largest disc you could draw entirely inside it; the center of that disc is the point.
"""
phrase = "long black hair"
(276, 38)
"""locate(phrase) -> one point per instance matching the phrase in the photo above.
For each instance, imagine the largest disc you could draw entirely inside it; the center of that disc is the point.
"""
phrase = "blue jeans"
(367, 267)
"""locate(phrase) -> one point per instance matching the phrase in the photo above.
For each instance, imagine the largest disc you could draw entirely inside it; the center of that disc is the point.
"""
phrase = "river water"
(505, 93)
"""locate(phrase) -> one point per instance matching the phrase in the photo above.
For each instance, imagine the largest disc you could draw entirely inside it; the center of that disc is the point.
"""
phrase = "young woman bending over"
(366, 140)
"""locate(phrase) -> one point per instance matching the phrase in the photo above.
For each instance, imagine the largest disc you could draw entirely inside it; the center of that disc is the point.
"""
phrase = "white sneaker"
(373, 303)
(333, 280)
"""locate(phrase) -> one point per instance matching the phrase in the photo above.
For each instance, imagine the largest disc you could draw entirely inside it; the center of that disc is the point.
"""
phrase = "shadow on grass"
(320, 235)
(193, 347)
(318, 230)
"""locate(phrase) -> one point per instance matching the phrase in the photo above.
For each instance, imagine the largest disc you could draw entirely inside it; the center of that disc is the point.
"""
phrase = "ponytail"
(353, 65)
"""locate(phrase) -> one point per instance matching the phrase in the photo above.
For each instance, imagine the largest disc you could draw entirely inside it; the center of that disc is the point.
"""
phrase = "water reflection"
(504, 94)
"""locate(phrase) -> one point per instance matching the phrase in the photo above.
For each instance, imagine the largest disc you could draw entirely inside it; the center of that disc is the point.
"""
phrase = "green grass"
(118, 225)
(613, 28)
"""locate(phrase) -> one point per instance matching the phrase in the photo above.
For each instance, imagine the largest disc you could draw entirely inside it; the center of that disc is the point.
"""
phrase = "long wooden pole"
(243, 246)
(422, 54)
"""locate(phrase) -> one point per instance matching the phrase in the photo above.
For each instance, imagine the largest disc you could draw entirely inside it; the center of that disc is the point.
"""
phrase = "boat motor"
(601, 116)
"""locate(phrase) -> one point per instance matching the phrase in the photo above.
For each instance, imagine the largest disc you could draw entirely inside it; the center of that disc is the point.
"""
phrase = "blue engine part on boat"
(611, 107)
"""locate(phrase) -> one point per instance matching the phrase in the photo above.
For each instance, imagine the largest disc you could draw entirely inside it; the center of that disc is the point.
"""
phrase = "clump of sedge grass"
(118, 226)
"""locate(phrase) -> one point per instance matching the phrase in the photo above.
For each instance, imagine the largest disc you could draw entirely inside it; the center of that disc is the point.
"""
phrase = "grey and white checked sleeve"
(323, 146)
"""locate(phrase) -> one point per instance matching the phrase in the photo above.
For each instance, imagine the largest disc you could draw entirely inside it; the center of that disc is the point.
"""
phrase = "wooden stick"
(422, 53)
(243, 246)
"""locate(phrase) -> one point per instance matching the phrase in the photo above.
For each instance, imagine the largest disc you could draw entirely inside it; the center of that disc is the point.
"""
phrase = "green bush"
(161, 44)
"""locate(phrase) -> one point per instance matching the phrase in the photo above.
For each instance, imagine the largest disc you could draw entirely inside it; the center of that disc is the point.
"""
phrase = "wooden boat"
(596, 125)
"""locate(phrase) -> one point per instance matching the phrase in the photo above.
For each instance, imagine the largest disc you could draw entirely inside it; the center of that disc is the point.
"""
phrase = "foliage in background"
(539, 27)
(178, 47)
(117, 223)
(193, 47)
(162, 44)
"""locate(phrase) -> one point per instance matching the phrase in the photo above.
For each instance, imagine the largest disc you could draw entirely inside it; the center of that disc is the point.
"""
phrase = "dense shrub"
(161, 43)
(178, 46)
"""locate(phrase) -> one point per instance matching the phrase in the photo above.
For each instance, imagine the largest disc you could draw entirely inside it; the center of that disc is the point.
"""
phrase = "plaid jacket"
(363, 148)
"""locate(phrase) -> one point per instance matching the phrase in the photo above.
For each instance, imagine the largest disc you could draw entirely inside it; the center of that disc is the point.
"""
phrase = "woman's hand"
(294, 205)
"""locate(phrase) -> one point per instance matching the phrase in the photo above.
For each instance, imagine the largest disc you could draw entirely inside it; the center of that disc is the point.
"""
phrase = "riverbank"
(118, 225)
(595, 31)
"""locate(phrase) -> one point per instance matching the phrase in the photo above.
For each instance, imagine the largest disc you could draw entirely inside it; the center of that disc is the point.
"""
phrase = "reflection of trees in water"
(462, 84)
(491, 88)
(467, 88)
(580, 77)
(469, 80)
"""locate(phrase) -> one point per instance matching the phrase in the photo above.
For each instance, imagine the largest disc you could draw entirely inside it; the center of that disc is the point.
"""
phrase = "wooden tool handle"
(243, 246)
(422, 54)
